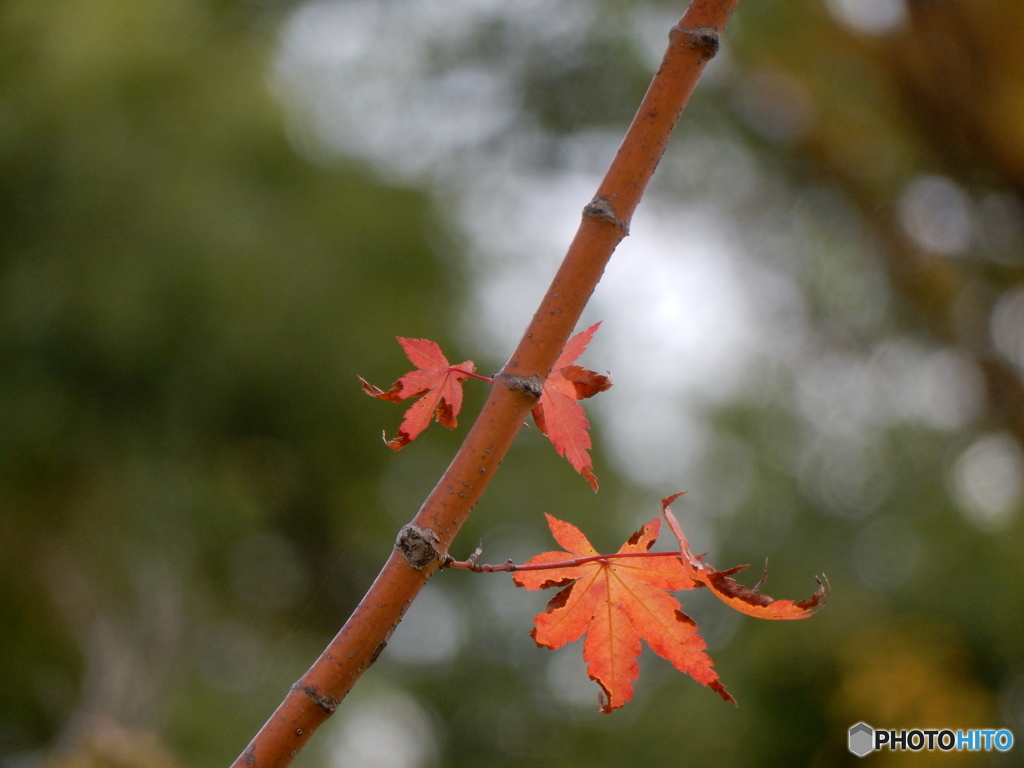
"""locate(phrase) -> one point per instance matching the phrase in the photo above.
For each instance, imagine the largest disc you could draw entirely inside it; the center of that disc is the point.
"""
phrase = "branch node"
(378, 651)
(528, 385)
(418, 545)
(704, 40)
(327, 703)
(601, 208)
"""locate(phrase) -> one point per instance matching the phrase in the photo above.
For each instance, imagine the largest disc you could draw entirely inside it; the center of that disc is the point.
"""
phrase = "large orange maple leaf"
(617, 600)
(557, 413)
(435, 381)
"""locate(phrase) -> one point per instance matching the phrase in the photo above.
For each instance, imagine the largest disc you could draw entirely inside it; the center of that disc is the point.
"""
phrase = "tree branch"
(423, 544)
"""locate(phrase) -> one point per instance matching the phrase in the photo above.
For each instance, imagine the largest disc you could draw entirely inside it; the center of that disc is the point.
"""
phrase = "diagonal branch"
(422, 545)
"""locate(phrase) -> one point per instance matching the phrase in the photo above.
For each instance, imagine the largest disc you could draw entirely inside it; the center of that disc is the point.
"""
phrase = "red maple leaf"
(557, 413)
(616, 602)
(436, 382)
(618, 599)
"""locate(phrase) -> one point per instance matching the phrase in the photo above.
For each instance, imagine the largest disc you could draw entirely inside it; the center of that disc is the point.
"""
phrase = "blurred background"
(214, 214)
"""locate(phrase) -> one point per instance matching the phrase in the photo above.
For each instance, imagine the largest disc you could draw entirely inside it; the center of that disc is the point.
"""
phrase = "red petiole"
(453, 369)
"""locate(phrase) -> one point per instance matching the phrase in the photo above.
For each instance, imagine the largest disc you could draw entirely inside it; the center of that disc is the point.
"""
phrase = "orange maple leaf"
(618, 599)
(616, 602)
(557, 413)
(744, 600)
(434, 381)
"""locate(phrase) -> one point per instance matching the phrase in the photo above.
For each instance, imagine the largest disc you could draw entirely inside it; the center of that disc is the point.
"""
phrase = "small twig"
(508, 565)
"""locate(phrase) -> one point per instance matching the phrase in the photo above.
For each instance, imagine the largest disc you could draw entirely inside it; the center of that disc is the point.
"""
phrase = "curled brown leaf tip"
(586, 383)
(372, 391)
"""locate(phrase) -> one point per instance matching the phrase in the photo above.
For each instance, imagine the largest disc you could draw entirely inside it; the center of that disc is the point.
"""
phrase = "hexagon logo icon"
(862, 739)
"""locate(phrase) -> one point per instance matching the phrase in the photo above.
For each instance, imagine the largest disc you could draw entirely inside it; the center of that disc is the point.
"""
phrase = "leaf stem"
(488, 379)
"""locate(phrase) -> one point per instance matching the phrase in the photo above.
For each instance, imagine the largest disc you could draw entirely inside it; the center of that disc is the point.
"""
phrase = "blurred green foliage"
(185, 305)
(193, 493)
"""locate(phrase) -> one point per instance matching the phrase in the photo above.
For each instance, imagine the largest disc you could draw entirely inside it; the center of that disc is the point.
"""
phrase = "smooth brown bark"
(423, 544)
